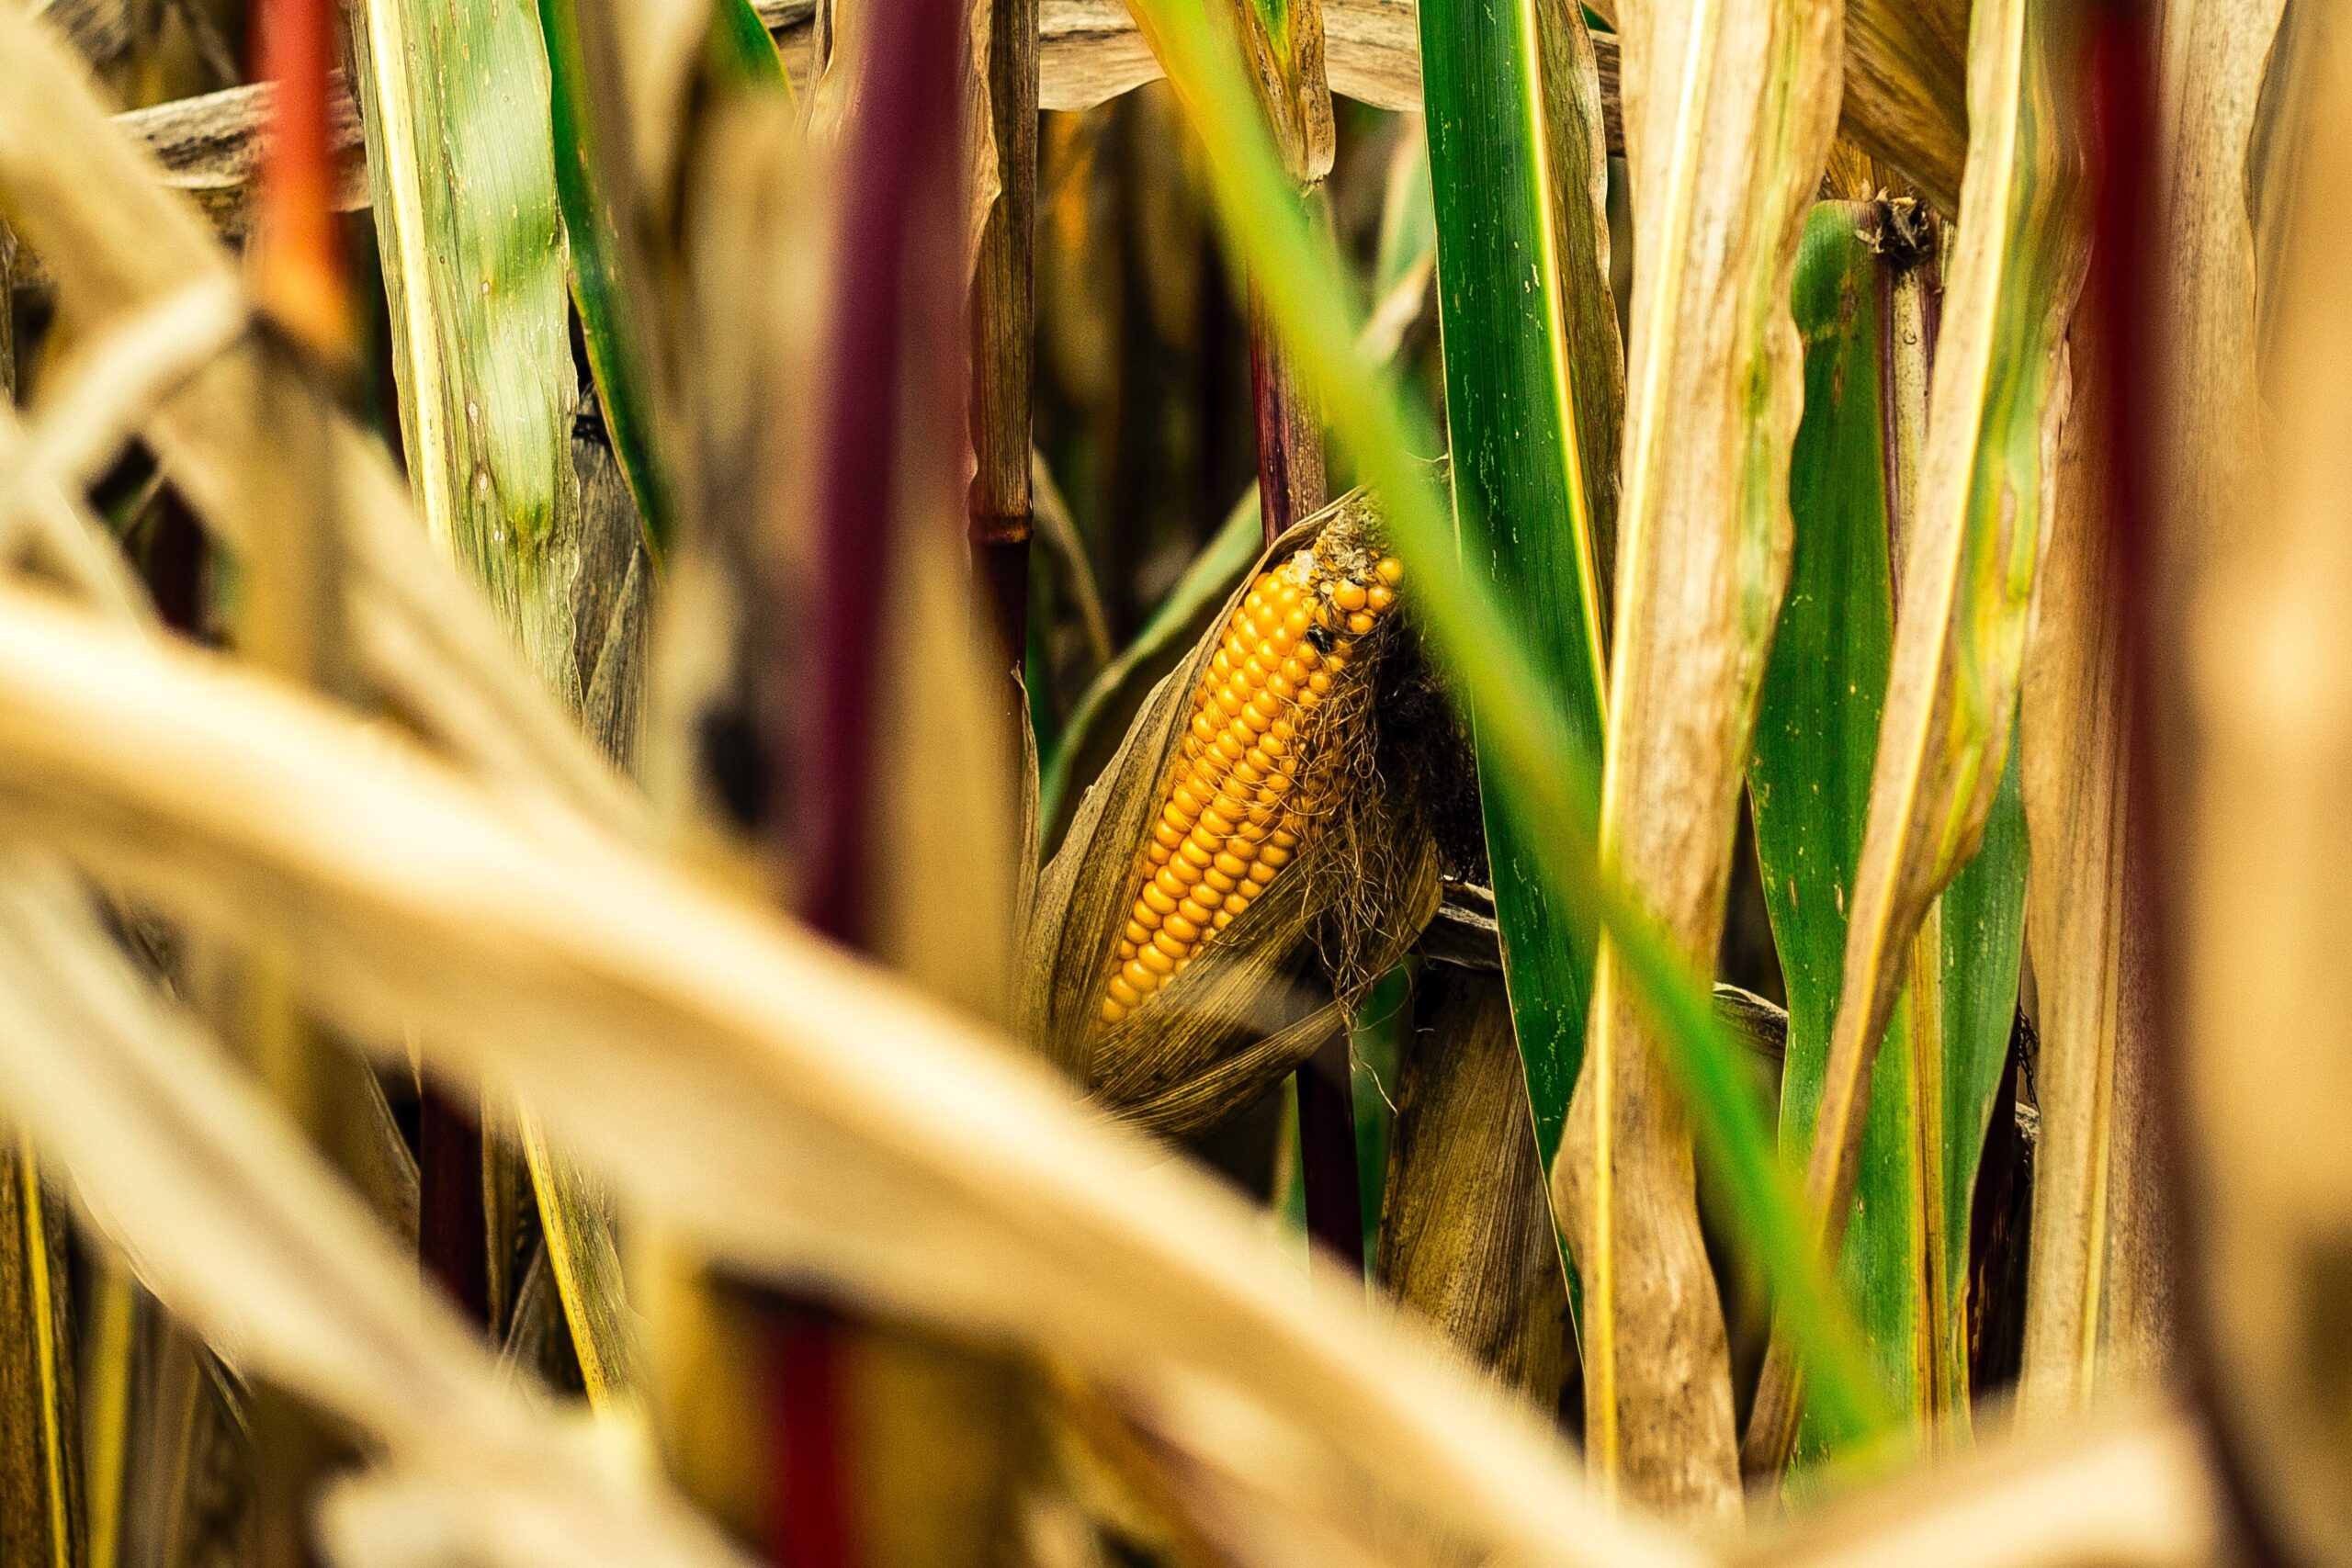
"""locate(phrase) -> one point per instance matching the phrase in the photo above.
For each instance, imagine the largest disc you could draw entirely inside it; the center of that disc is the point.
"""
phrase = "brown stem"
(1003, 322)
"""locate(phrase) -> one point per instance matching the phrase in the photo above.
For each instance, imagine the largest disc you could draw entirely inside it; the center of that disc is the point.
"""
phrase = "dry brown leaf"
(1729, 116)
(1905, 94)
(2100, 1258)
(792, 1110)
(236, 1225)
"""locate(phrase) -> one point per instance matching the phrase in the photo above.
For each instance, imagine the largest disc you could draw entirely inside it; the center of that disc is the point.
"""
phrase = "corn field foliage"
(870, 783)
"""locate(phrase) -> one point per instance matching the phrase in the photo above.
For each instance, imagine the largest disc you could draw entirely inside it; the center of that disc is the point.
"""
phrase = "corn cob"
(1233, 817)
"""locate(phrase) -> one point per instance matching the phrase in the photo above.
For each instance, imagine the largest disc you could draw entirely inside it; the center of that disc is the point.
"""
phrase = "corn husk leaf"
(1465, 1230)
(1266, 991)
(1998, 397)
(1729, 120)
(794, 1112)
(1907, 90)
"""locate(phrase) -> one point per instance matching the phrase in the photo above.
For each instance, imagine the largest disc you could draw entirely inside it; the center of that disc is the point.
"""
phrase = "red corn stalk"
(896, 393)
(1003, 325)
(300, 277)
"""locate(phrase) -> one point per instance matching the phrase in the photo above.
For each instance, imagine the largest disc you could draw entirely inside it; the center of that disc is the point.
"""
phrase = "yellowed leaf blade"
(1995, 400)
(1730, 109)
(789, 1108)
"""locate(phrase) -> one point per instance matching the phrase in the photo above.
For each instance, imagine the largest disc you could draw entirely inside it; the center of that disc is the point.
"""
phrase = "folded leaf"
(1863, 305)
(1729, 116)
(1966, 581)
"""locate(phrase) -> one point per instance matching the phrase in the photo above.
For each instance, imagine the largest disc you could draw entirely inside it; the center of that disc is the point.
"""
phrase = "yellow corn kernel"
(1231, 819)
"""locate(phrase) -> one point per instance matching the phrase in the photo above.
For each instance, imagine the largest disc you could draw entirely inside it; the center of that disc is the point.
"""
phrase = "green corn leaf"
(1550, 781)
(1966, 582)
(1534, 403)
(456, 106)
(594, 184)
(1984, 950)
(1859, 305)
(742, 51)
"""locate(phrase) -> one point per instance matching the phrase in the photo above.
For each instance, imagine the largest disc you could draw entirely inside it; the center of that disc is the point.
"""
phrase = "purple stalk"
(894, 389)
(894, 373)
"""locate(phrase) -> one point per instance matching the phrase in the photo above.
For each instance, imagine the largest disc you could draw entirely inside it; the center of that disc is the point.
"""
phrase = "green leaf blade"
(1816, 731)
(1905, 1256)
(1521, 274)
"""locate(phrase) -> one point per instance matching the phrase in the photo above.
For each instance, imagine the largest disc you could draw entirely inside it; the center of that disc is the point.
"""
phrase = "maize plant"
(931, 782)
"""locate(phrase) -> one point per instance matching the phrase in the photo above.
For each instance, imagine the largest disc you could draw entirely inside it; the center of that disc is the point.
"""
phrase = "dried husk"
(1465, 1225)
(1277, 982)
